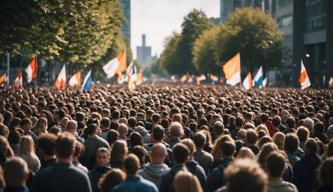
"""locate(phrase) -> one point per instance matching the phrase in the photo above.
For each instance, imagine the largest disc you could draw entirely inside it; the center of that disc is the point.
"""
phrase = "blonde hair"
(41, 126)
(262, 127)
(186, 182)
(217, 149)
(27, 146)
(246, 153)
(279, 139)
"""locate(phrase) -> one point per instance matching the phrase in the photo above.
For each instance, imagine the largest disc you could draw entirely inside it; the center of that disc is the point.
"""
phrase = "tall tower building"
(126, 29)
(144, 52)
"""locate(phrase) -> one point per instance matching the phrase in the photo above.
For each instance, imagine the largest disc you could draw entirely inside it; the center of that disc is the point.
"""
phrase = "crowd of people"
(166, 138)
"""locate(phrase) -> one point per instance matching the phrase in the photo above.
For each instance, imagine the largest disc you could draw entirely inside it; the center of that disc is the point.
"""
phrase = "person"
(46, 150)
(26, 126)
(15, 175)
(325, 176)
(109, 180)
(291, 145)
(275, 166)
(305, 168)
(133, 182)
(91, 144)
(246, 153)
(5, 151)
(102, 167)
(180, 154)
(40, 127)
(243, 175)
(118, 154)
(79, 148)
(204, 158)
(71, 127)
(176, 132)
(251, 139)
(187, 182)
(157, 168)
(216, 177)
(192, 165)
(27, 152)
(63, 176)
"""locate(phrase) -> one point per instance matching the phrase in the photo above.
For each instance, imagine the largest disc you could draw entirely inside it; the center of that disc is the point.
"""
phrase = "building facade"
(126, 29)
(307, 27)
(144, 52)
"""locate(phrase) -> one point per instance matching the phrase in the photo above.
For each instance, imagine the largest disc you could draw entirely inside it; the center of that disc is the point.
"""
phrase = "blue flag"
(87, 82)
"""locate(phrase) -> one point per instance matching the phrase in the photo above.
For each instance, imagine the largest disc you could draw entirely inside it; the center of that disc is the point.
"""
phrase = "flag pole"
(8, 68)
(37, 68)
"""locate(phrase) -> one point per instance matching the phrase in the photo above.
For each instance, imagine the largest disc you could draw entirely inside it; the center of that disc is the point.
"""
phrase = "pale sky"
(159, 18)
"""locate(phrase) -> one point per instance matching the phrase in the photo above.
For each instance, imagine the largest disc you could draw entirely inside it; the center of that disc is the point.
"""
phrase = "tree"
(75, 32)
(194, 24)
(255, 35)
(204, 48)
(168, 59)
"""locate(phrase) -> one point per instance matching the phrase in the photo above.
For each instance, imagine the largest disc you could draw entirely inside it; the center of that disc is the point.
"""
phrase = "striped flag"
(87, 82)
(60, 82)
(31, 70)
(75, 80)
(116, 65)
(231, 70)
(18, 80)
(259, 78)
(304, 79)
(247, 83)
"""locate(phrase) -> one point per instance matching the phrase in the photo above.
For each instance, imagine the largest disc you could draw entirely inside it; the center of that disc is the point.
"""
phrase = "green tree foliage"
(204, 57)
(76, 32)
(255, 35)
(194, 24)
(168, 59)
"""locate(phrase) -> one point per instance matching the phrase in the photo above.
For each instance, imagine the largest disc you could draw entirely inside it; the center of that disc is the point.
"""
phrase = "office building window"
(315, 15)
(283, 3)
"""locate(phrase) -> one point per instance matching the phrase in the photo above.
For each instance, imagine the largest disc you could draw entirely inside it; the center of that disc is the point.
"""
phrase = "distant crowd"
(166, 138)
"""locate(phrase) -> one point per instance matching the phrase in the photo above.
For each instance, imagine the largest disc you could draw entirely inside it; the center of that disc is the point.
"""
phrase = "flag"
(87, 82)
(213, 77)
(121, 78)
(183, 78)
(116, 65)
(133, 74)
(129, 68)
(201, 78)
(330, 83)
(31, 70)
(189, 79)
(264, 82)
(304, 79)
(258, 79)
(139, 78)
(18, 80)
(3, 78)
(61, 79)
(75, 80)
(247, 83)
(231, 70)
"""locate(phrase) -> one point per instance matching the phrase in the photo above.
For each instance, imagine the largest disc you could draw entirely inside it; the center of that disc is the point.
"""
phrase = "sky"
(159, 18)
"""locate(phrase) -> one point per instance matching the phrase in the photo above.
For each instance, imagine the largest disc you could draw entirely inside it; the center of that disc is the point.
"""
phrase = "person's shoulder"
(148, 184)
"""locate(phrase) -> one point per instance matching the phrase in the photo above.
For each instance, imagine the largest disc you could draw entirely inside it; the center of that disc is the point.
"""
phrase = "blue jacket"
(136, 184)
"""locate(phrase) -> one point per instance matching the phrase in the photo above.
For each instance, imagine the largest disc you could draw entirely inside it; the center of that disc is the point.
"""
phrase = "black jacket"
(215, 179)
(167, 180)
(96, 174)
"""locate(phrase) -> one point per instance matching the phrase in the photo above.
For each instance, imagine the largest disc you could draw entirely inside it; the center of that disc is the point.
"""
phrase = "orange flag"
(122, 62)
(31, 70)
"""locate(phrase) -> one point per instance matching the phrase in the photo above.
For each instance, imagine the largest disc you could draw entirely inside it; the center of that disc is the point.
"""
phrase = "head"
(275, 164)
(71, 126)
(246, 153)
(122, 130)
(176, 130)
(112, 178)
(131, 165)
(265, 151)
(16, 172)
(158, 133)
(325, 172)
(186, 181)
(27, 146)
(279, 139)
(311, 146)
(302, 133)
(26, 124)
(158, 153)
(190, 145)
(291, 143)
(245, 175)
(199, 140)
(102, 157)
(251, 137)
(180, 153)
(228, 148)
(64, 147)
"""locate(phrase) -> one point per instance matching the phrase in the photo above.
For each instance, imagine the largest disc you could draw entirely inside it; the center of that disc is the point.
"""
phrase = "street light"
(307, 55)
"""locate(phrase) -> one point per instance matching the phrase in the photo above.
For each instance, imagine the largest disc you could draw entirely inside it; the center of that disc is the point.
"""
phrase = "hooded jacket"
(154, 173)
